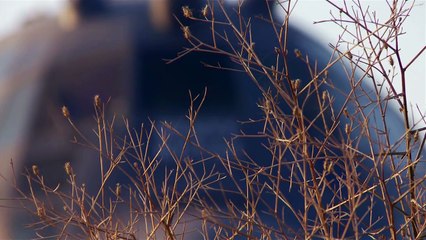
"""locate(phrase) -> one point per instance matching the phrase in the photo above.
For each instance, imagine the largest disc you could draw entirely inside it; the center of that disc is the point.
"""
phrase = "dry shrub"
(337, 172)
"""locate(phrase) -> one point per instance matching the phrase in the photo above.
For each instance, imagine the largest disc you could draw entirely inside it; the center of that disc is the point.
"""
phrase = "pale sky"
(15, 12)
(309, 11)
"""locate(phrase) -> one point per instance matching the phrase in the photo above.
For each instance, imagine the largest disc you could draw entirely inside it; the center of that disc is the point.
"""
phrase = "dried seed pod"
(204, 214)
(186, 32)
(267, 106)
(187, 12)
(41, 212)
(349, 54)
(277, 50)
(346, 113)
(295, 84)
(324, 95)
(97, 101)
(117, 189)
(205, 11)
(416, 136)
(68, 168)
(326, 73)
(391, 60)
(327, 165)
(385, 45)
(298, 53)
(35, 170)
(348, 129)
(274, 73)
(65, 112)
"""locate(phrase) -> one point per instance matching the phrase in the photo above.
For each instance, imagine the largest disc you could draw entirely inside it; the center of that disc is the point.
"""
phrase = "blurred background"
(63, 52)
